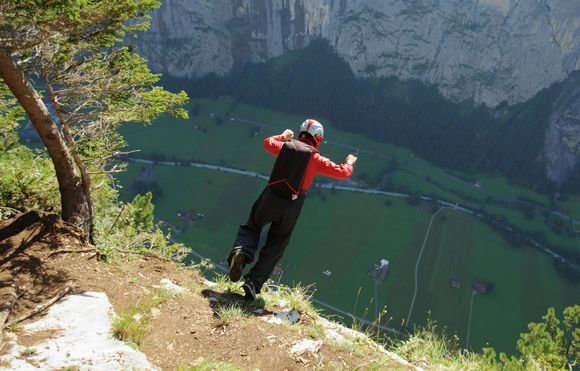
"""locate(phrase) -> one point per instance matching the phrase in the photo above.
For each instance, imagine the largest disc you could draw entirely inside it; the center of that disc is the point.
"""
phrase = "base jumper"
(297, 162)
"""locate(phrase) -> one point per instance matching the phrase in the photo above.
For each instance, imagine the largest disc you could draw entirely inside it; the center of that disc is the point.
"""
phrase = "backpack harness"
(289, 169)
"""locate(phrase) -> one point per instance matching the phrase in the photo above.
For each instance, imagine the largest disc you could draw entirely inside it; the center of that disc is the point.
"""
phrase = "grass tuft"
(209, 366)
(298, 298)
(224, 283)
(28, 352)
(132, 325)
(230, 313)
(430, 348)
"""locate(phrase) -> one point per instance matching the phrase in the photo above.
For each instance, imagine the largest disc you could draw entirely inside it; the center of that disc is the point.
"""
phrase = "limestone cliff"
(562, 142)
(488, 50)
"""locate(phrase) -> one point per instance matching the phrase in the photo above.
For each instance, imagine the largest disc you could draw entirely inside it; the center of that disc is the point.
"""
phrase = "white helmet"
(313, 128)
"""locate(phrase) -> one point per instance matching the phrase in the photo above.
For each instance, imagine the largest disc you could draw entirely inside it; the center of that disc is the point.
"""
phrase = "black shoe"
(236, 266)
(250, 290)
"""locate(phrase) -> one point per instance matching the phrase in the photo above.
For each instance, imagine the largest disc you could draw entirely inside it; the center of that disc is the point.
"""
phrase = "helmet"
(314, 128)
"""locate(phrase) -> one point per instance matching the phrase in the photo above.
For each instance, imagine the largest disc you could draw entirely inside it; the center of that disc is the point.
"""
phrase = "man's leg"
(278, 238)
(248, 236)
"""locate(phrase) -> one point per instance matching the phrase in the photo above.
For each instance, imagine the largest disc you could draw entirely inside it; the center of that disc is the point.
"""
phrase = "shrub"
(27, 181)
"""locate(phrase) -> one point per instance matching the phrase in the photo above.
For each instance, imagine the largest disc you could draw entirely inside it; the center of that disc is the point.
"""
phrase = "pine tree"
(92, 81)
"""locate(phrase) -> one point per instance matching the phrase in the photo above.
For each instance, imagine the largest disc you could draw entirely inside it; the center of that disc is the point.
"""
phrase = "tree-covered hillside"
(314, 81)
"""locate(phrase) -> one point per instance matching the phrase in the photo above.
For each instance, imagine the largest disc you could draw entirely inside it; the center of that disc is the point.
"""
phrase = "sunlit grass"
(132, 325)
(208, 365)
(229, 314)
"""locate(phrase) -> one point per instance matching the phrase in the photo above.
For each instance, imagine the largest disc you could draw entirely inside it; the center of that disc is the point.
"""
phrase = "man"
(297, 162)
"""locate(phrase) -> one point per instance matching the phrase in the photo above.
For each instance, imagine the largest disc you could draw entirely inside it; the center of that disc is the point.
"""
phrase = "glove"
(288, 134)
(351, 159)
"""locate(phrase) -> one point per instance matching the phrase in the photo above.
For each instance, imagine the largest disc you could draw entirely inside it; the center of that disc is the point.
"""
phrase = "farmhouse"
(456, 284)
(379, 270)
(480, 287)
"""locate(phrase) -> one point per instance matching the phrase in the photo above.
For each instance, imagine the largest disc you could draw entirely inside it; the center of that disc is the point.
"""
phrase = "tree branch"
(42, 307)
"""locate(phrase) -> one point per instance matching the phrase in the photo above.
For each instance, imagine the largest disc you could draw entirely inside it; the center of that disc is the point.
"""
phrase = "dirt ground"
(40, 256)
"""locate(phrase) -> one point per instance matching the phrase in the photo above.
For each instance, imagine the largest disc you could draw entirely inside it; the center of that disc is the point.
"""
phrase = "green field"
(345, 233)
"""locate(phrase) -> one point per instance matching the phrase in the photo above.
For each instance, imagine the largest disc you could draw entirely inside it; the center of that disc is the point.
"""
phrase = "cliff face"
(486, 50)
(562, 141)
(189, 38)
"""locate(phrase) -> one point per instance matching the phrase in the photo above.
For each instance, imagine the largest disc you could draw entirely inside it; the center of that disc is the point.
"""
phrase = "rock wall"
(486, 50)
(562, 141)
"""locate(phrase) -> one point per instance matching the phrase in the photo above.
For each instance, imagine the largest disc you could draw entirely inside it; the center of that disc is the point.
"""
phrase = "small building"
(480, 287)
(379, 270)
(186, 216)
(456, 284)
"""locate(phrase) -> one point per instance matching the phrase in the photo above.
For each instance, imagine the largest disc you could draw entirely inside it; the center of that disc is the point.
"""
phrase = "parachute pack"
(290, 169)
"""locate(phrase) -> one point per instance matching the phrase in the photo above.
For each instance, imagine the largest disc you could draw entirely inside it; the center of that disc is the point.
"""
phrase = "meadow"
(346, 233)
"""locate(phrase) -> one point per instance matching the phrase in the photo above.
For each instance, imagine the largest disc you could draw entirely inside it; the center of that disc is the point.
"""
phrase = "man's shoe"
(236, 266)
(250, 290)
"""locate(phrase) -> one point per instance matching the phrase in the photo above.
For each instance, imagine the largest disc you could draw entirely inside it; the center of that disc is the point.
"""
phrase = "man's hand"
(288, 134)
(351, 159)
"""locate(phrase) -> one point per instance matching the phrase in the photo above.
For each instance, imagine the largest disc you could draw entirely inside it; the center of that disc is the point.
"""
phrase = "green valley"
(342, 234)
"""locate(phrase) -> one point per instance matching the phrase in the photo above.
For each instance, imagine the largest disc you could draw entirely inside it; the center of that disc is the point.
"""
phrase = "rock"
(82, 325)
(287, 316)
(332, 334)
(155, 312)
(212, 300)
(306, 345)
(167, 284)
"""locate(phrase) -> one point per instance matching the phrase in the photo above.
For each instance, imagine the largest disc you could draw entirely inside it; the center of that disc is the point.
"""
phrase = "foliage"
(100, 22)
(430, 347)
(143, 211)
(10, 114)
(230, 313)
(27, 180)
(93, 83)
(130, 227)
(207, 365)
(551, 344)
(132, 325)
(299, 298)
(28, 352)
(225, 284)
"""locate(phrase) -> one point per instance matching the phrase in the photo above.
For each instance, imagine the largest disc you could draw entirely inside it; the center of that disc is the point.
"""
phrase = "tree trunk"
(74, 201)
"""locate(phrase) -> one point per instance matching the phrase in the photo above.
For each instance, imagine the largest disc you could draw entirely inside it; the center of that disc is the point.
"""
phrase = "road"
(419, 260)
(473, 293)
(335, 186)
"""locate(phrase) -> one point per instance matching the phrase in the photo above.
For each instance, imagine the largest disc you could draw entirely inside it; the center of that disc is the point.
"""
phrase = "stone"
(302, 346)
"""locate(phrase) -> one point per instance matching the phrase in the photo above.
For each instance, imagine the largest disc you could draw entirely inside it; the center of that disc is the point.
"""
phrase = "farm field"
(346, 233)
